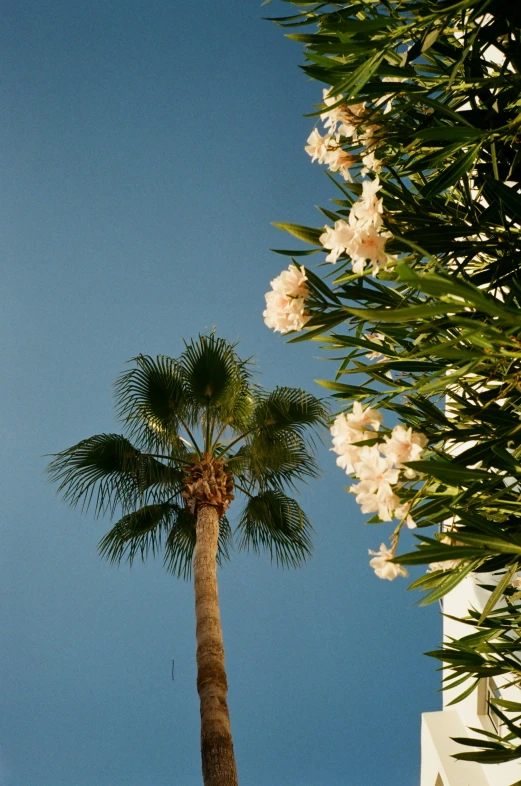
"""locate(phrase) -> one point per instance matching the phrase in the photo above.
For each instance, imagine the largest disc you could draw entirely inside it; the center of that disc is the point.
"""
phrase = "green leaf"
(431, 38)
(399, 315)
(497, 594)
(348, 390)
(452, 174)
(361, 75)
(508, 196)
(274, 522)
(475, 742)
(451, 580)
(292, 253)
(151, 398)
(497, 544)
(472, 687)
(216, 381)
(351, 27)
(320, 286)
(449, 472)
(489, 757)
(108, 470)
(425, 555)
(446, 133)
(307, 234)
(290, 409)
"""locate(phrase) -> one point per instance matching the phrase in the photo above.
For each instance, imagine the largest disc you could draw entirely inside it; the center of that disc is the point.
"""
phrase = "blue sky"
(146, 146)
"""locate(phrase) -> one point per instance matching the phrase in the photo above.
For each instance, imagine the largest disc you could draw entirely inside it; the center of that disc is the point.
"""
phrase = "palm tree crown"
(198, 430)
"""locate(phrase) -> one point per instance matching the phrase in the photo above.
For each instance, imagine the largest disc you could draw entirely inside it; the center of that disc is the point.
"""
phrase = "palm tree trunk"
(217, 755)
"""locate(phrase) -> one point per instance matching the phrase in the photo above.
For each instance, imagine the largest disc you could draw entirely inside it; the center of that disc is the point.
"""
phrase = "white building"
(438, 768)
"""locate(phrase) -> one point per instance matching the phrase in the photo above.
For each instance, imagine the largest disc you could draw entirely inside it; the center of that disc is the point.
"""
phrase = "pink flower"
(369, 137)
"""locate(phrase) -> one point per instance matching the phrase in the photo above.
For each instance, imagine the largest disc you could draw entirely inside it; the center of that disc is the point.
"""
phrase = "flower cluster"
(327, 150)
(285, 303)
(379, 467)
(360, 237)
(342, 123)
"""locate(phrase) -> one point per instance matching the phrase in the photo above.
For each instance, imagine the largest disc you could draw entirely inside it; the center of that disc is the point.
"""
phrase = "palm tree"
(197, 431)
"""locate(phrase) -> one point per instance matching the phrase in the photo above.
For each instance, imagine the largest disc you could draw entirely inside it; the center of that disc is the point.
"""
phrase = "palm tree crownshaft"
(218, 760)
(208, 482)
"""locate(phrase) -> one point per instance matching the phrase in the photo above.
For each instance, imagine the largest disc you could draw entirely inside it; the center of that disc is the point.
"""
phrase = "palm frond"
(108, 470)
(217, 379)
(290, 409)
(151, 400)
(274, 459)
(139, 532)
(276, 523)
(180, 544)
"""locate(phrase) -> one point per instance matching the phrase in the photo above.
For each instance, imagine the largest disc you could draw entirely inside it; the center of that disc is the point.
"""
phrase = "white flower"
(375, 338)
(342, 432)
(387, 100)
(360, 418)
(404, 445)
(337, 239)
(448, 564)
(374, 493)
(402, 512)
(344, 436)
(375, 469)
(516, 582)
(284, 314)
(381, 565)
(291, 282)
(317, 146)
(375, 498)
(368, 137)
(369, 245)
(348, 458)
(339, 161)
(343, 116)
(367, 211)
(285, 303)
(371, 164)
